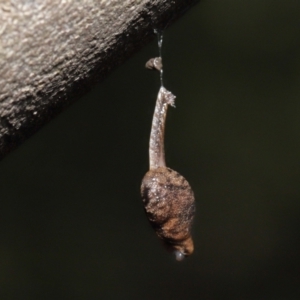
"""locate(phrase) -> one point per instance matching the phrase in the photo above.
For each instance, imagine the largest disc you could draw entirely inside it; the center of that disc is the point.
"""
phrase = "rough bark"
(53, 51)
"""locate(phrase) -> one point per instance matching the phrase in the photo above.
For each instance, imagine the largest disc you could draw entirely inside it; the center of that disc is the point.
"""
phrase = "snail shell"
(170, 206)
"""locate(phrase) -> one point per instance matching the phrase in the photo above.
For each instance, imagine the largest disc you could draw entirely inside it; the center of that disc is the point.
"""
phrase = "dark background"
(72, 225)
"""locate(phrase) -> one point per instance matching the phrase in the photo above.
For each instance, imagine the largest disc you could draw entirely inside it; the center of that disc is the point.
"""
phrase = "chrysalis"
(167, 196)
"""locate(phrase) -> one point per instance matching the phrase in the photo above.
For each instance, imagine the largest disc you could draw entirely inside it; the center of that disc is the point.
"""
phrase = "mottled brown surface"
(53, 51)
(170, 206)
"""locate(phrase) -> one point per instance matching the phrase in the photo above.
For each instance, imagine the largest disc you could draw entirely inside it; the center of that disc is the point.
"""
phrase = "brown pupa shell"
(170, 206)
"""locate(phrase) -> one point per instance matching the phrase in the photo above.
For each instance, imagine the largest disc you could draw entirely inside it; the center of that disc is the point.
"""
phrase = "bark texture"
(53, 51)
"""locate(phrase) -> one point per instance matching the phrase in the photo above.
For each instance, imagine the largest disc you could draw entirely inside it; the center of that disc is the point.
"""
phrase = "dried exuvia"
(167, 196)
(154, 64)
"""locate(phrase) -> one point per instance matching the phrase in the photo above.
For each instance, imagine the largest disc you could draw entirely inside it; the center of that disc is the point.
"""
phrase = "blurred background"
(72, 224)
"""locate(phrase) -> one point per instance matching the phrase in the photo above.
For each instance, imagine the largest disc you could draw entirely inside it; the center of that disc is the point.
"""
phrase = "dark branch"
(52, 52)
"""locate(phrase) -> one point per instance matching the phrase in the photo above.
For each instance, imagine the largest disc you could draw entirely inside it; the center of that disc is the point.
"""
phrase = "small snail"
(167, 196)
